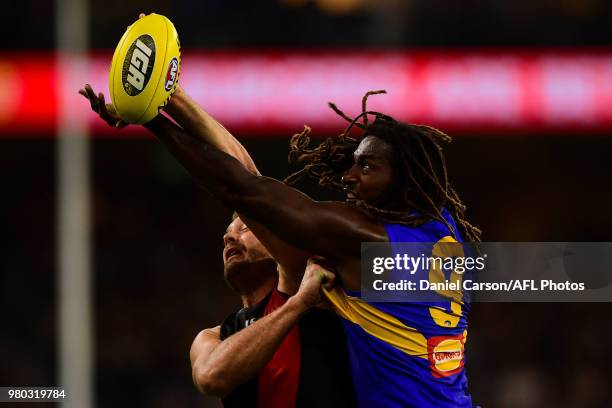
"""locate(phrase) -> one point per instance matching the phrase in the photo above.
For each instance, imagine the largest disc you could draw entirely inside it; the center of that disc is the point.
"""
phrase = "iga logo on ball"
(138, 65)
(171, 74)
(145, 69)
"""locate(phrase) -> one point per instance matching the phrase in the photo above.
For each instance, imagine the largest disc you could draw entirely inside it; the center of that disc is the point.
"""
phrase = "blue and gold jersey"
(408, 354)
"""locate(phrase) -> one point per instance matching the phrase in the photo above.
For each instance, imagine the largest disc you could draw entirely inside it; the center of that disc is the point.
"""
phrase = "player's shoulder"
(242, 318)
(430, 231)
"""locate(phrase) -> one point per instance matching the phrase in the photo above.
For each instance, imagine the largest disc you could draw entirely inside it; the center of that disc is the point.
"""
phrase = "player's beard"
(246, 274)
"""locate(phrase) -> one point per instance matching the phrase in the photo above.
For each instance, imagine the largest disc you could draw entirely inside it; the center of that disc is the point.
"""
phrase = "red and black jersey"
(310, 368)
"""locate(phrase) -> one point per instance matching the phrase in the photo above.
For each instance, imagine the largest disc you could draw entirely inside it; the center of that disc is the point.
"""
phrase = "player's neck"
(258, 292)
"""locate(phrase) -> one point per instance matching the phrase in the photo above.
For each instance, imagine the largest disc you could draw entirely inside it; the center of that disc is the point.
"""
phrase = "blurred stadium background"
(525, 87)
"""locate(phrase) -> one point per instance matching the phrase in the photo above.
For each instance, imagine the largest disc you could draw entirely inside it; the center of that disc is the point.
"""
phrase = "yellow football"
(145, 69)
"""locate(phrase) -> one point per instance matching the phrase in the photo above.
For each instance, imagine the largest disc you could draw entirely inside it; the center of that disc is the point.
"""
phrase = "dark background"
(157, 236)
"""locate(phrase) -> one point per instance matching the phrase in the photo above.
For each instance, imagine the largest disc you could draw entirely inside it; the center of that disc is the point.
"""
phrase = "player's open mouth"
(350, 195)
(232, 251)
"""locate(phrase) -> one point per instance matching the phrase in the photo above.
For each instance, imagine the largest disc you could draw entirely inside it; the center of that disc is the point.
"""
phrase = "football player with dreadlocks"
(406, 354)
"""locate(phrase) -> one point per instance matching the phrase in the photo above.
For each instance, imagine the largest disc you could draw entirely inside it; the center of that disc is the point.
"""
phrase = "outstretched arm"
(197, 122)
(194, 120)
(334, 230)
(220, 366)
(200, 124)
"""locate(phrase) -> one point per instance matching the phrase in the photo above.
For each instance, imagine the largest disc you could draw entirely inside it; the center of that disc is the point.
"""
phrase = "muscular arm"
(330, 229)
(197, 122)
(334, 230)
(191, 117)
(220, 366)
(205, 127)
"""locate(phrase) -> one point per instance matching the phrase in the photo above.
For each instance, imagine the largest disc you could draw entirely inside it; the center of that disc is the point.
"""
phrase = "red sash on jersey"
(278, 380)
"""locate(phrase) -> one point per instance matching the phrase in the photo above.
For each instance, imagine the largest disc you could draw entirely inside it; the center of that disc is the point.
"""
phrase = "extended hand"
(106, 111)
(315, 276)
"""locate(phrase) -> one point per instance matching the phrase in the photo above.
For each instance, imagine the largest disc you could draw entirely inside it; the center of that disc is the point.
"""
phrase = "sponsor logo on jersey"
(446, 355)
(171, 74)
(138, 65)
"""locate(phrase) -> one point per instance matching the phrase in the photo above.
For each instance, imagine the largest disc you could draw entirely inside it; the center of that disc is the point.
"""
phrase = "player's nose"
(230, 236)
(350, 176)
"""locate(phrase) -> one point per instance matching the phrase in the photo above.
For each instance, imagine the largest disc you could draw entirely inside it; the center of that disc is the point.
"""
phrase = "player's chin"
(233, 266)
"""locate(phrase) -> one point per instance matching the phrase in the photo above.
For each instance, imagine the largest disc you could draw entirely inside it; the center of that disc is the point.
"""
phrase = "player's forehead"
(374, 147)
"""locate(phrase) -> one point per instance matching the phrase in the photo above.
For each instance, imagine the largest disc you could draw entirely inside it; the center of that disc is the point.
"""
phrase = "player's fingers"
(103, 111)
(328, 285)
(95, 106)
(327, 279)
(315, 259)
(102, 102)
(89, 90)
(313, 268)
(322, 274)
(93, 100)
(321, 262)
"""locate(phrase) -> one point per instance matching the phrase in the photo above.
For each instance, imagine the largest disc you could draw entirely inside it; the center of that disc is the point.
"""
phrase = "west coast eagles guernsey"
(408, 354)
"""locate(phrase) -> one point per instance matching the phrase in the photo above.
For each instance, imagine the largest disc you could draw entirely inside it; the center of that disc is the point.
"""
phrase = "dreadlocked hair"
(420, 180)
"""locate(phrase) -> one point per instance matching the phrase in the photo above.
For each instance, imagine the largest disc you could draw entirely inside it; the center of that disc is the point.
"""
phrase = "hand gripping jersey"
(408, 354)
